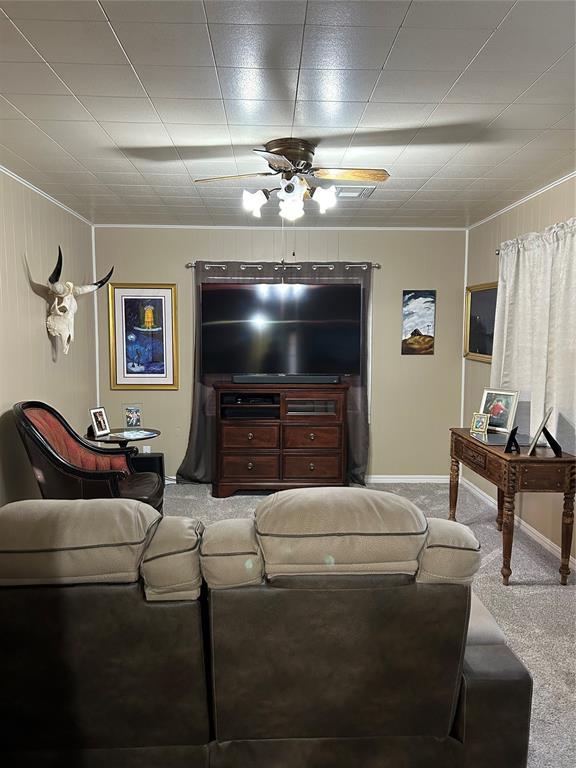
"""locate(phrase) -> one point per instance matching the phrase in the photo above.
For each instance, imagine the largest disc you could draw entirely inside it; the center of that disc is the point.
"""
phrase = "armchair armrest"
(493, 714)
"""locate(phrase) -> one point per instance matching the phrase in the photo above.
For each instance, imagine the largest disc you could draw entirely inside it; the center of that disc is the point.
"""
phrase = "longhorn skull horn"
(80, 289)
(55, 276)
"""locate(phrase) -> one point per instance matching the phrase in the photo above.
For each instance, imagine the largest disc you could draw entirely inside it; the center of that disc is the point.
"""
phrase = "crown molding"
(45, 195)
(510, 207)
(279, 229)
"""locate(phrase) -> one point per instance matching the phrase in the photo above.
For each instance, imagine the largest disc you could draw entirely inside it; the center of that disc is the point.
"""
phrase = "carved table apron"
(512, 473)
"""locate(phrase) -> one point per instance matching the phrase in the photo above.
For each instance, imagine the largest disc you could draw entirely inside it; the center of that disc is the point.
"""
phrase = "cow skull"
(62, 304)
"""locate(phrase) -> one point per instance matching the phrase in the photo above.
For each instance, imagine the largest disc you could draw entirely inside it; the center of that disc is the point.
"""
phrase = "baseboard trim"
(522, 525)
(388, 479)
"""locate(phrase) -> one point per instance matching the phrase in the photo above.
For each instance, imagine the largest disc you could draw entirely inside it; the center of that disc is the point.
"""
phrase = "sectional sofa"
(336, 628)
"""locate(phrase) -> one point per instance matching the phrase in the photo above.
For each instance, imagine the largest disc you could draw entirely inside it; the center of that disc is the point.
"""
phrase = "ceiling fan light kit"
(292, 160)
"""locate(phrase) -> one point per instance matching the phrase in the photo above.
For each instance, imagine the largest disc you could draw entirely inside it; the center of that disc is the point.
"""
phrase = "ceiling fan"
(292, 160)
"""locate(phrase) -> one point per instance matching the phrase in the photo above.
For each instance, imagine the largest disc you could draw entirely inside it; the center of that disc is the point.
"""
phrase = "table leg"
(567, 527)
(454, 476)
(507, 536)
(500, 509)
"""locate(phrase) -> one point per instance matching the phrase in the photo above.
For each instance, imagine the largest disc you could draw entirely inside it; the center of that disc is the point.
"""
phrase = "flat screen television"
(281, 328)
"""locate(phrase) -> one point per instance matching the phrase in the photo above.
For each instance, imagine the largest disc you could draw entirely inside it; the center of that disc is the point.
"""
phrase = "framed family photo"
(100, 423)
(480, 316)
(143, 336)
(500, 406)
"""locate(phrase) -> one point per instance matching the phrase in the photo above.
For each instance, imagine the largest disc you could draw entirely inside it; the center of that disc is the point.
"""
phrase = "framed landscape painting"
(480, 315)
(143, 336)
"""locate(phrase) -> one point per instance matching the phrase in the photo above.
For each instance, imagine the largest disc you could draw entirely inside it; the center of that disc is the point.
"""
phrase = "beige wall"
(541, 511)
(414, 399)
(36, 227)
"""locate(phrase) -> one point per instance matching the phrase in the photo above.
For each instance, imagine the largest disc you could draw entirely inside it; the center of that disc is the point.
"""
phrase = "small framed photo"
(538, 432)
(500, 407)
(99, 422)
(133, 415)
(480, 316)
(479, 422)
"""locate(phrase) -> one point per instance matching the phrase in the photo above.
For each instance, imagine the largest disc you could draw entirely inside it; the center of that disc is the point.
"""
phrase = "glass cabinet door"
(302, 407)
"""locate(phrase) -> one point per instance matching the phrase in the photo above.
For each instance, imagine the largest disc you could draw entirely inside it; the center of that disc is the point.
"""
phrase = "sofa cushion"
(451, 554)
(74, 542)
(171, 565)
(230, 555)
(482, 627)
(339, 530)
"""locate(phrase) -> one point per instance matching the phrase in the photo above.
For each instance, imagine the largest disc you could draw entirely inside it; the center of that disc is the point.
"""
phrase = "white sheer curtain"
(535, 327)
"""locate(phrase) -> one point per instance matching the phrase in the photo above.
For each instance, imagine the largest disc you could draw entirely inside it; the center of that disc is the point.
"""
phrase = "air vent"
(354, 193)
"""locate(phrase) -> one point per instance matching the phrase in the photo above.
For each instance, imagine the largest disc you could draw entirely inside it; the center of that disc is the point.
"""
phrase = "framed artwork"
(418, 322)
(99, 422)
(133, 415)
(479, 327)
(500, 406)
(479, 422)
(143, 336)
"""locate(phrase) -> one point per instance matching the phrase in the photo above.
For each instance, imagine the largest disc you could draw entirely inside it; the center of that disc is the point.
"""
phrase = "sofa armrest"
(493, 714)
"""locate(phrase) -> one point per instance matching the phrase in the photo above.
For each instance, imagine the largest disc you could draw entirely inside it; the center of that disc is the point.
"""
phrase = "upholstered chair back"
(337, 610)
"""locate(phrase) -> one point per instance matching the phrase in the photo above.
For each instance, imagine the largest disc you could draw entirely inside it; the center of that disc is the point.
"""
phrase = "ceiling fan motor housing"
(299, 151)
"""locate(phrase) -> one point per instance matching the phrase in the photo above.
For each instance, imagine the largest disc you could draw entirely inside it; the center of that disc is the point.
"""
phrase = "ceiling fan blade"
(278, 162)
(351, 174)
(234, 176)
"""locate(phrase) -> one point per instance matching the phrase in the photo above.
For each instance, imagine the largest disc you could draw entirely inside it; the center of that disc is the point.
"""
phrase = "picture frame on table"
(500, 405)
(479, 321)
(143, 331)
(100, 423)
(479, 422)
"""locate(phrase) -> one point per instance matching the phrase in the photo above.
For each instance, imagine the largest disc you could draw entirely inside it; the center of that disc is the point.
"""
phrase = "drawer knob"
(250, 435)
(311, 467)
(250, 465)
(312, 436)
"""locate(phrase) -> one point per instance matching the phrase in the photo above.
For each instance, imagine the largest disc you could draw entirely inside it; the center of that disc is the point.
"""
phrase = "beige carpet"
(536, 613)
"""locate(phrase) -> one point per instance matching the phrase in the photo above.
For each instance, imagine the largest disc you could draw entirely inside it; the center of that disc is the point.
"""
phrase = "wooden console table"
(513, 473)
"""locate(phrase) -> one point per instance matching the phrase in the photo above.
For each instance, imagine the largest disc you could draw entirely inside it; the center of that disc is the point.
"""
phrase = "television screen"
(294, 328)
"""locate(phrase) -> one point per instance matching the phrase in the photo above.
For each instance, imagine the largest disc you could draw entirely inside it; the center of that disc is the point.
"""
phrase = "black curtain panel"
(197, 465)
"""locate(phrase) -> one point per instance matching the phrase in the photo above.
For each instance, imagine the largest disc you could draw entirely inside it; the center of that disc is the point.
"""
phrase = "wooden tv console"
(275, 437)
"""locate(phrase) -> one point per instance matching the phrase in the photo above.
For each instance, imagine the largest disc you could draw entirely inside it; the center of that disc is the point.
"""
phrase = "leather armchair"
(68, 467)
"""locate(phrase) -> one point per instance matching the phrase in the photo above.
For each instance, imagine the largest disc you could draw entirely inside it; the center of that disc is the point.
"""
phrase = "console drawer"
(312, 467)
(311, 437)
(245, 466)
(246, 436)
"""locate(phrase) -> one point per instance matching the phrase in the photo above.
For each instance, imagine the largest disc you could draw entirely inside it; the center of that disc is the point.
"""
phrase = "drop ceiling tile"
(152, 135)
(70, 178)
(246, 137)
(199, 169)
(18, 165)
(113, 178)
(115, 164)
(340, 114)
(7, 111)
(417, 152)
(254, 112)
(121, 110)
(360, 13)
(188, 12)
(413, 86)
(531, 116)
(371, 157)
(50, 107)
(477, 86)
(523, 50)
(27, 140)
(275, 84)
(457, 14)
(186, 45)
(567, 123)
(437, 49)
(56, 164)
(81, 10)
(100, 79)
(396, 115)
(166, 179)
(170, 193)
(256, 47)
(400, 170)
(450, 184)
(79, 138)
(13, 46)
(87, 42)
(326, 137)
(150, 159)
(463, 119)
(180, 82)
(191, 111)
(557, 86)
(455, 169)
(256, 12)
(336, 84)
(346, 47)
(213, 139)
(29, 78)
(555, 139)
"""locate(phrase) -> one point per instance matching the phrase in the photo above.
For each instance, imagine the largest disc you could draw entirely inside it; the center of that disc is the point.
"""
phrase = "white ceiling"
(114, 108)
